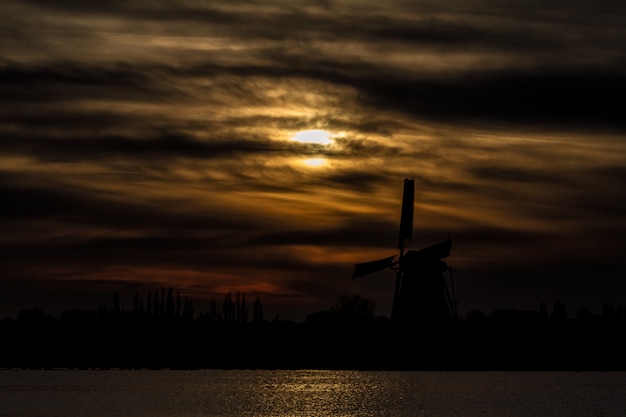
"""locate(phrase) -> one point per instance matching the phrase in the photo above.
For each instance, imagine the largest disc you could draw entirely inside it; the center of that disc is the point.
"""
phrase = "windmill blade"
(365, 268)
(406, 217)
(439, 250)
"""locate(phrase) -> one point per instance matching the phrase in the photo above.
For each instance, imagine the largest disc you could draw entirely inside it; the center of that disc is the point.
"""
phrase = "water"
(280, 393)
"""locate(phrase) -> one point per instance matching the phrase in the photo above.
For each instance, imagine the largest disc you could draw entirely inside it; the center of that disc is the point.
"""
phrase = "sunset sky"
(159, 144)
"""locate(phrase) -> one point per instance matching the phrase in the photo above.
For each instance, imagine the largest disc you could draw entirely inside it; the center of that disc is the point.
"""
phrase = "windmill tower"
(421, 292)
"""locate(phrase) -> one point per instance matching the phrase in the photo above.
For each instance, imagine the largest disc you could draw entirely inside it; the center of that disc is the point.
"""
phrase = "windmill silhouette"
(421, 292)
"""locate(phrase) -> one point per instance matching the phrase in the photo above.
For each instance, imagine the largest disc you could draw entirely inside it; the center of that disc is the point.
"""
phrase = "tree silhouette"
(155, 304)
(543, 311)
(558, 312)
(257, 315)
(213, 314)
(228, 307)
(161, 312)
(136, 303)
(188, 310)
(117, 309)
(169, 305)
(242, 308)
(354, 306)
(149, 303)
(179, 307)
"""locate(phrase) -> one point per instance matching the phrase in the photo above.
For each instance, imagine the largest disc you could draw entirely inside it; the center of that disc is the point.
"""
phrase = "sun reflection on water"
(321, 393)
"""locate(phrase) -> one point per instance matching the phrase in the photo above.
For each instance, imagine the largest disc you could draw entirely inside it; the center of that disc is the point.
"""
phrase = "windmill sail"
(406, 218)
(438, 251)
(374, 266)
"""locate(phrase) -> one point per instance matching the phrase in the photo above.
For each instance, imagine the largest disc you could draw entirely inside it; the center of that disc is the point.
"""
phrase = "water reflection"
(319, 393)
(306, 393)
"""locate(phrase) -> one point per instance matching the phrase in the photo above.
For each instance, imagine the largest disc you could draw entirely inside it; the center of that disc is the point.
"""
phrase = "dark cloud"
(562, 101)
(359, 181)
(161, 147)
(360, 231)
(43, 199)
(58, 82)
(514, 174)
(417, 24)
(610, 174)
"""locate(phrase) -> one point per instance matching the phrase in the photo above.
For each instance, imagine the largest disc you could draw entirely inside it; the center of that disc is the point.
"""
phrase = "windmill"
(421, 292)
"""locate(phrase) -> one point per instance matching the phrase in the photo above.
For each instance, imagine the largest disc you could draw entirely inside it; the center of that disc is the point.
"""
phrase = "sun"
(315, 162)
(315, 136)
(317, 139)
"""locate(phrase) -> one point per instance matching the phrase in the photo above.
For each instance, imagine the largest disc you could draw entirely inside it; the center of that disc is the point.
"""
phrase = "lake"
(318, 393)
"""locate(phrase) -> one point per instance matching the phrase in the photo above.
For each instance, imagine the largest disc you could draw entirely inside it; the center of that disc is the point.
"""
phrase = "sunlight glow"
(315, 162)
(320, 137)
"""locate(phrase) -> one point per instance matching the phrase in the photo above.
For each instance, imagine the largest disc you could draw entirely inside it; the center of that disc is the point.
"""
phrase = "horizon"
(203, 306)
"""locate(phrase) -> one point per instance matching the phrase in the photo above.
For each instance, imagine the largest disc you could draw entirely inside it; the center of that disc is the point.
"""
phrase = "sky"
(160, 144)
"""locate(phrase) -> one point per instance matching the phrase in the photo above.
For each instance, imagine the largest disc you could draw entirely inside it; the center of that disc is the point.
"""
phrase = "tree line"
(162, 330)
(164, 304)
